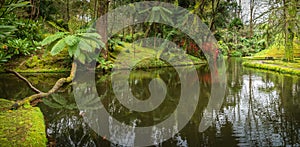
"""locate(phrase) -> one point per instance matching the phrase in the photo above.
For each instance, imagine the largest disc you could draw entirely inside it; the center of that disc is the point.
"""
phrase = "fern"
(98, 42)
(50, 39)
(53, 24)
(81, 58)
(90, 35)
(51, 104)
(59, 99)
(83, 45)
(58, 47)
(72, 50)
(71, 40)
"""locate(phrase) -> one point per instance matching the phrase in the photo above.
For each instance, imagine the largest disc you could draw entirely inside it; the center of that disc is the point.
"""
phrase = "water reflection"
(260, 109)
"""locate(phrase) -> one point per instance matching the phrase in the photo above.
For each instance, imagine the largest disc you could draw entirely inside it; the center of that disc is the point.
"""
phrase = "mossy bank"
(22, 127)
(276, 65)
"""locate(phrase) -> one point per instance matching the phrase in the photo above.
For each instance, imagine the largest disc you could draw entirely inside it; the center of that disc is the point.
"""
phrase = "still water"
(259, 109)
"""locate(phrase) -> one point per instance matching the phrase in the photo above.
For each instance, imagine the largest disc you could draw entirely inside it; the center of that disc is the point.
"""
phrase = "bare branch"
(24, 79)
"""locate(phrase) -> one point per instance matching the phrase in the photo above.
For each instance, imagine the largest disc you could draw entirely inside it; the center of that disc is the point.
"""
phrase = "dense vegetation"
(24, 24)
(47, 35)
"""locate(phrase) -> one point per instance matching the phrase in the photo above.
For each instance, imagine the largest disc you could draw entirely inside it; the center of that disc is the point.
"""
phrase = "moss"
(32, 62)
(131, 55)
(277, 66)
(22, 127)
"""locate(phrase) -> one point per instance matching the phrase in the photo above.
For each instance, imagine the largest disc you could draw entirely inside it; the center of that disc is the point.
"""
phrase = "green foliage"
(236, 54)
(232, 43)
(113, 43)
(7, 7)
(20, 46)
(78, 44)
(158, 14)
(4, 56)
(104, 64)
(59, 102)
(18, 36)
(5, 31)
(236, 23)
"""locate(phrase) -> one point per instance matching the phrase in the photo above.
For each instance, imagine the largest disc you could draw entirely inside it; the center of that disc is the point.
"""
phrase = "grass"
(22, 127)
(276, 65)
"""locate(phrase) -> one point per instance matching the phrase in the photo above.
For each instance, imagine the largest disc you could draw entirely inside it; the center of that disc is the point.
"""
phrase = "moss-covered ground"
(275, 65)
(22, 127)
(144, 58)
(276, 54)
(45, 63)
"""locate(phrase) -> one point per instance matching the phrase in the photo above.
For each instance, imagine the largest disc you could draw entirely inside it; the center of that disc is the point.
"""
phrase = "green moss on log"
(22, 127)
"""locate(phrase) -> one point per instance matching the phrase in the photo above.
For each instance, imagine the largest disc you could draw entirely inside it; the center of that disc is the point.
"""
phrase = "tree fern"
(72, 40)
(50, 39)
(72, 49)
(77, 43)
(85, 46)
(58, 47)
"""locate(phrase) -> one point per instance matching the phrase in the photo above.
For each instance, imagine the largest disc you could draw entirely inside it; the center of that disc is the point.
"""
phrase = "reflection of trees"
(260, 109)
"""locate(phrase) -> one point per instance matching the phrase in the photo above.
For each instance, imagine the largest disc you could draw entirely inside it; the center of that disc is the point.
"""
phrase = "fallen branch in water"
(41, 94)
(24, 79)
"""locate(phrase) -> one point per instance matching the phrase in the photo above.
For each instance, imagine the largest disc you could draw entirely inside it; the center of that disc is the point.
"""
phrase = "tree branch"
(24, 79)
(40, 94)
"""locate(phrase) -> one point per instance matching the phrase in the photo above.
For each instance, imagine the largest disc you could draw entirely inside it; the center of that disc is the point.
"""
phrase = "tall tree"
(290, 22)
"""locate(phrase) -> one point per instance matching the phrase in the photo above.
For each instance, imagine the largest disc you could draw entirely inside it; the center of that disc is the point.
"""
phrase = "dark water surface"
(260, 108)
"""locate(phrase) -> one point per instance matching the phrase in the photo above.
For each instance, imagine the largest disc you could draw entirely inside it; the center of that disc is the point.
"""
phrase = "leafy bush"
(21, 46)
(236, 54)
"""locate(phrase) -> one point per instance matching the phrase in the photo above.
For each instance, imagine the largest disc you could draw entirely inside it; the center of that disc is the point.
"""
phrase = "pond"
(259, 109)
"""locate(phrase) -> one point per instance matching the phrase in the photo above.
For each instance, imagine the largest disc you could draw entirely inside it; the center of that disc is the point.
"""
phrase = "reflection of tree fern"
(87, 97)
(59, 102)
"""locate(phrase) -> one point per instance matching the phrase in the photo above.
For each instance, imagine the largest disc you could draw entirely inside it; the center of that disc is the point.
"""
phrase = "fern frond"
(97, 41)
(71, 40)
(85, 46)
(54, 25)
(51, 104)
(50, 39)
(72, 49)
(58, 47)
(81, 58)
(59, 99)
(90, 35)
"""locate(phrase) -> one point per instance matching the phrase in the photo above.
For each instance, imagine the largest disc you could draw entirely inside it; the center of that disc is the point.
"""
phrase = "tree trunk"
(101, 25)
(288, 34)
(251, 18)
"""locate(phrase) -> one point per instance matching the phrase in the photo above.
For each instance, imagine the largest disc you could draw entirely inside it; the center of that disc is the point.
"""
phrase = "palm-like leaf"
(157, 13)
(6, 30)
(77, 44)
(58, 47)
(72, 40)
(50, 39)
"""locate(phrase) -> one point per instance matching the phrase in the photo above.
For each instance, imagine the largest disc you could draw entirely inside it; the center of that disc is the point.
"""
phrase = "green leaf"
(58, 47)
(72, 49)
(81, 58)
(51, 104)
(71, 40)
(59, 99)
(53, 24)
(90, 35)
(50, 39)
(83, 45)
(98, 42)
